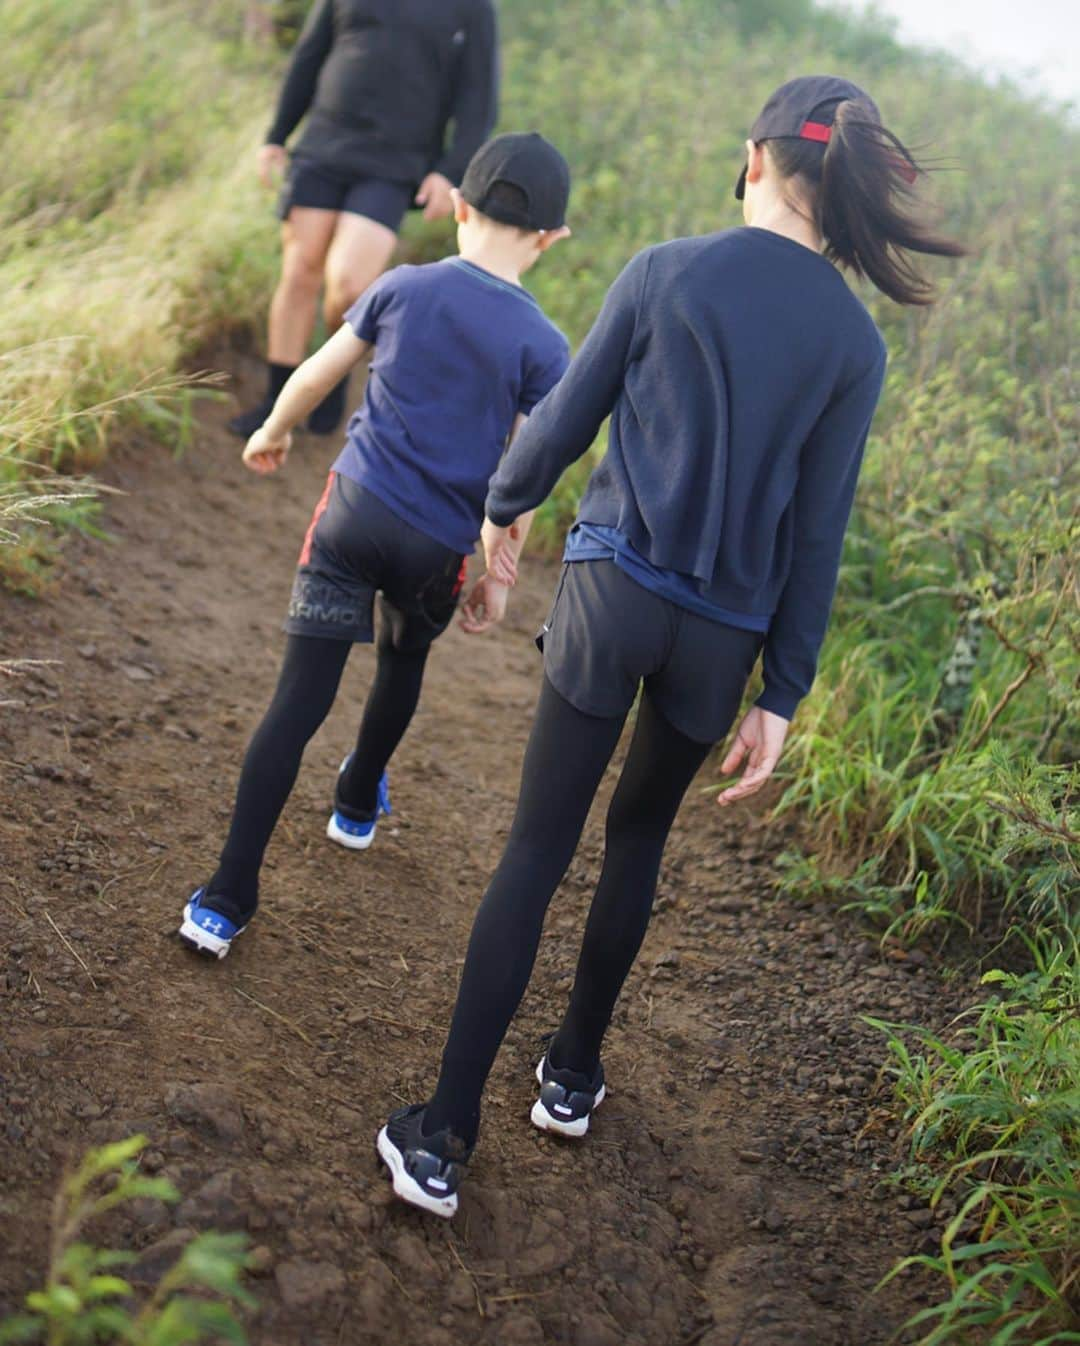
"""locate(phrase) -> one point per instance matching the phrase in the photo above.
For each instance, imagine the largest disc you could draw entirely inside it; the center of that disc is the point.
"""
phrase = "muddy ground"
(731, 1188)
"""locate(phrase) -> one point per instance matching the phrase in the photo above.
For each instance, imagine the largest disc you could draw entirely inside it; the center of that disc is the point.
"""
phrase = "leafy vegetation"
(85, 1298)
(130, 225)
(934, 761)
(996, 1113)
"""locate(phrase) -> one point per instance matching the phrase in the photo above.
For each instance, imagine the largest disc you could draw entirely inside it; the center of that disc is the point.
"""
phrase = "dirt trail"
(728, 1192)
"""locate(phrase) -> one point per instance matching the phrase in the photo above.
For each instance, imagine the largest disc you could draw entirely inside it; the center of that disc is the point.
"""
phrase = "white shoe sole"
(343, 838)
(408, 1188)
(202, 941)
(546, 1121)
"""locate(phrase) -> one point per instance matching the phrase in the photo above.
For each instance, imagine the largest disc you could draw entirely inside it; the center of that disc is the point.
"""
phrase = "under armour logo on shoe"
(214, 927)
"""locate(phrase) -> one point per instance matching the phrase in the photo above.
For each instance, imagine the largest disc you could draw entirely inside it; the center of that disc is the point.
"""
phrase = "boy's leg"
(658, 770)
(564, 761)
(305, 692)
(389, 709)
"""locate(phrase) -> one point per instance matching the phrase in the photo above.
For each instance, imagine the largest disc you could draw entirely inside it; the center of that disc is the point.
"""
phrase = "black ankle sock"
(277, 375)
(326, 417)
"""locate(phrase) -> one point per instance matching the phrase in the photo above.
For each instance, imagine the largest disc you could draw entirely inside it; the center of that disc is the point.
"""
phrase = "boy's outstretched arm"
(268, 447)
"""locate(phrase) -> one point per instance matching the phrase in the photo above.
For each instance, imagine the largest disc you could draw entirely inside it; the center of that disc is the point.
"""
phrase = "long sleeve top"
(381, 81)
(741, 375)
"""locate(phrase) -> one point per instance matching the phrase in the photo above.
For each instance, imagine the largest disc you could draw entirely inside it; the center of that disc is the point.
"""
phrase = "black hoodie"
(383, 79)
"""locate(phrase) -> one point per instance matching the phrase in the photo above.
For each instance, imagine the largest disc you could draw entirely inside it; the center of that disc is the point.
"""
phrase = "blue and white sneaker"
(207, 931)
(567, 1100)
(352, 835)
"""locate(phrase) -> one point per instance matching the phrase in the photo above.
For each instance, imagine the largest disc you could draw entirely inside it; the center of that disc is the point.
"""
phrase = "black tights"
(305, 692)
(567, 754)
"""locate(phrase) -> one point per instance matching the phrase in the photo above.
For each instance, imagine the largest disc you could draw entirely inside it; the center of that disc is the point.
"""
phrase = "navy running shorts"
(309, 184)
(357, 547)
(607, 636)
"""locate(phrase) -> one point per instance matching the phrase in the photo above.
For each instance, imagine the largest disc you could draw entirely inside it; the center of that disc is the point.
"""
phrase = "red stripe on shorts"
(320, 510)
(461, 576)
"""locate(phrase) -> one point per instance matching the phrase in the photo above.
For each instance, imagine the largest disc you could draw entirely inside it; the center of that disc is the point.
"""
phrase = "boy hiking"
(462, 354)
(741, 376)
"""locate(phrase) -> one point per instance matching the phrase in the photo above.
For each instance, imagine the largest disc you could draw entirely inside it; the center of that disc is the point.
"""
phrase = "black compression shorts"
(310, 184)
(357, 547)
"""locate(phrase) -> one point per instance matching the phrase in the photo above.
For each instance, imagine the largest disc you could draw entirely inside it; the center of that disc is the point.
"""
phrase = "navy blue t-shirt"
(458, 354)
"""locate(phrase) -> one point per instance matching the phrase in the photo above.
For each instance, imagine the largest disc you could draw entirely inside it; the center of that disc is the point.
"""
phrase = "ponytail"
(862, 181)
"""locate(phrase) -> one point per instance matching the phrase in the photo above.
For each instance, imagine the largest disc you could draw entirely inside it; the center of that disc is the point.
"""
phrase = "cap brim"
(740, 186)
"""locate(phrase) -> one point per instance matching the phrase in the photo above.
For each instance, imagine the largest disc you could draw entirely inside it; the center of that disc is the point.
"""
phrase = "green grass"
(993, 1113)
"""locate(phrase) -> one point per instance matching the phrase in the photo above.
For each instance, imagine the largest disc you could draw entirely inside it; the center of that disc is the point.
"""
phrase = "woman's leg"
(564, 761)
(305, 692)
(659, 767)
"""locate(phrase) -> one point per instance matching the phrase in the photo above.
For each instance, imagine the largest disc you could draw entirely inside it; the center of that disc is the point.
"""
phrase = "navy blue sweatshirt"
(741, 375)
(383, 78)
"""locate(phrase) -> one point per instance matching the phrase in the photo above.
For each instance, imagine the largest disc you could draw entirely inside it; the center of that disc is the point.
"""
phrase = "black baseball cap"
(531, 164)
(803, 109)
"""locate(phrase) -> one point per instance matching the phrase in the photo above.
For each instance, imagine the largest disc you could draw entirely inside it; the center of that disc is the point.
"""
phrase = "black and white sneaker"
(427, 1170)
(567, 1099)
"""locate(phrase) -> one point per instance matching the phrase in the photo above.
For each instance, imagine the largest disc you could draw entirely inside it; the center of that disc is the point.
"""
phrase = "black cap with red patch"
(803, 109)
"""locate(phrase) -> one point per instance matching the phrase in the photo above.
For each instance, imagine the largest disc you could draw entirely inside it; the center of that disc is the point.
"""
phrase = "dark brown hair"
(861, 185)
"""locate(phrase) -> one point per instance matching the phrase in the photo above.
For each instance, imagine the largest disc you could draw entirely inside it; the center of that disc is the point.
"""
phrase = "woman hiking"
(741, 375)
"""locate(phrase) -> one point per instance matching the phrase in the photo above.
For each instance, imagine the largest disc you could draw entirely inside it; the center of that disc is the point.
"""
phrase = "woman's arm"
(828, 473)
(568, 420)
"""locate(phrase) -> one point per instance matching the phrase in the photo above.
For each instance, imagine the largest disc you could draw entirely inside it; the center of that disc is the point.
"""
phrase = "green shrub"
(994, 1119)
(85, 1299)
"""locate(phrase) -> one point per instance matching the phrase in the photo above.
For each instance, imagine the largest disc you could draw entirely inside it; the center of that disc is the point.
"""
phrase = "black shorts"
(356, 547)
(309, 184)
(607, 635)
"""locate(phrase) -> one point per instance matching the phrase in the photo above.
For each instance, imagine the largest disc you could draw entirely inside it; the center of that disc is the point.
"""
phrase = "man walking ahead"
(381, 81)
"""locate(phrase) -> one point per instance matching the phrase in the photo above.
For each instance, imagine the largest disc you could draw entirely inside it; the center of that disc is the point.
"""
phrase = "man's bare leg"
(305, 241)
(360, 252)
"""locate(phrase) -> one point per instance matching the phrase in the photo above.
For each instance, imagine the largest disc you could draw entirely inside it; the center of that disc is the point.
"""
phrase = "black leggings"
(567, 754)
(305, 693)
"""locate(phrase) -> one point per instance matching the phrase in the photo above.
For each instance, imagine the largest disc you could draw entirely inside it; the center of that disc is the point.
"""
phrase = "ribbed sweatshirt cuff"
(499, 515)
(777, 701)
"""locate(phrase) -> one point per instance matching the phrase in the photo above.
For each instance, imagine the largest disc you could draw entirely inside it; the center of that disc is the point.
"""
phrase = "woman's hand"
(759, 743)
(485, 606)
(264, 455)
(271, 161)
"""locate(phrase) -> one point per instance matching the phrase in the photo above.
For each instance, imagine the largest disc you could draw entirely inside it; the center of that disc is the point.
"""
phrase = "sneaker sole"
(343, 838)
(544, 1120)
(202, 941)
(406, 1187)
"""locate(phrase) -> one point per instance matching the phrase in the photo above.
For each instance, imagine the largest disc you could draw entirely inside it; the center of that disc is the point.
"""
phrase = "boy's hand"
(265, 455)
(434, 196)
(759, 742)
(271, 160)
(485, 606)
